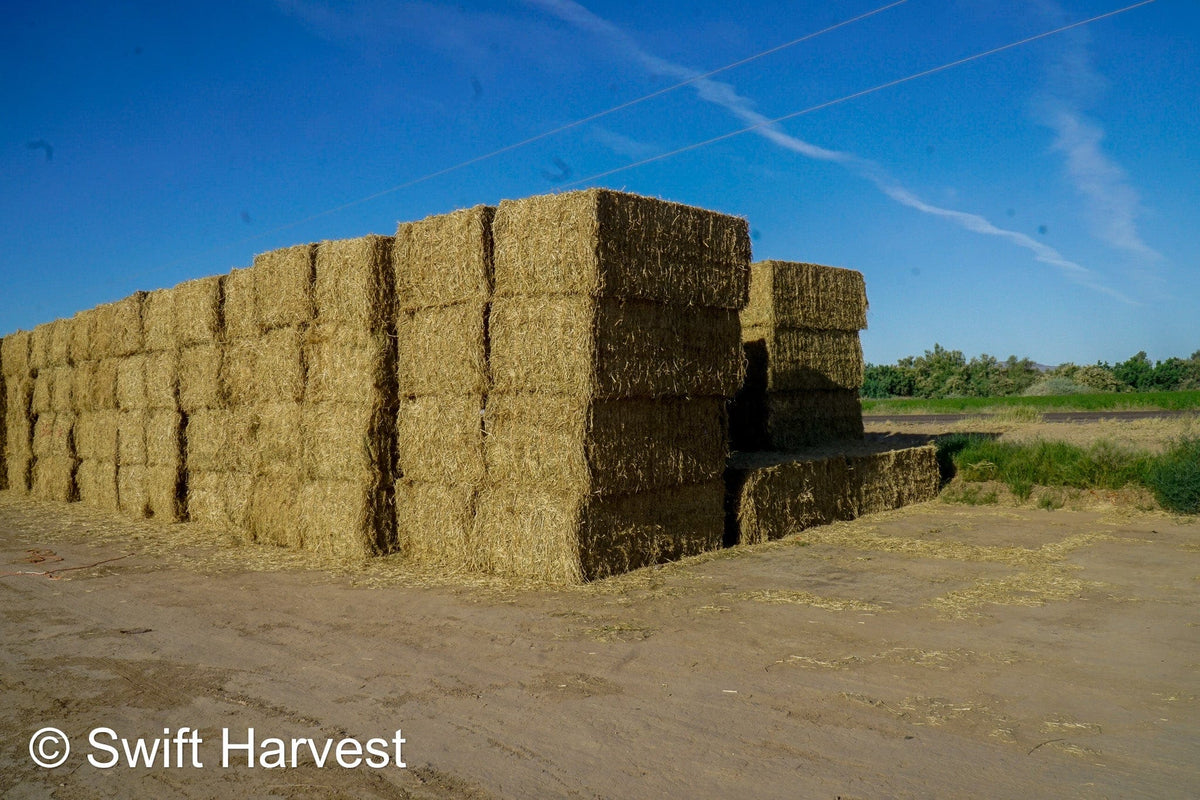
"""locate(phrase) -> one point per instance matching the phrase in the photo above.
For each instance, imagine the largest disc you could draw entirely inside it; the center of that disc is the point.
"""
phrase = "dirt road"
(938, 651)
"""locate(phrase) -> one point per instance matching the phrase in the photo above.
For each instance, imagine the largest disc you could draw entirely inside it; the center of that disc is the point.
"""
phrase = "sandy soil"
(937, 651)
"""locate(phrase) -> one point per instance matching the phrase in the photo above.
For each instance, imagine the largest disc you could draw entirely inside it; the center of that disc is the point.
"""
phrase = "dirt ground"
(937, 651)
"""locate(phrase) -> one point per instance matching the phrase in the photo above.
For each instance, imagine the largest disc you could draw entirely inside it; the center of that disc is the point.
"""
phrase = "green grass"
(1100, 401)
(1173, 476)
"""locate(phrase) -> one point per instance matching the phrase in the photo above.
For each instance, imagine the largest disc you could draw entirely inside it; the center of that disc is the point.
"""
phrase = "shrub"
(1174, 477)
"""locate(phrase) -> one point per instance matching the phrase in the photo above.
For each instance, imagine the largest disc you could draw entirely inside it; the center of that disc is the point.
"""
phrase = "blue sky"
(1041, 201)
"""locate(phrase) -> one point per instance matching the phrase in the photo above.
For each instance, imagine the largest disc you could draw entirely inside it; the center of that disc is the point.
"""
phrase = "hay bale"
(3, 425)
(274, 513)
(344, 518)
(220, 440)
(162, 379)
(96, 434)
(268, 369)
(238, 305)
(97, 484)
(81, 336)
(62, 390)
(62, 333)
(883, 481)
(219, 499)
(346, 442)
(197, 314)
(577, 345)
(343, 365)
(794, 295)
(98, 384)
(164, 493)
(803, 359)
(433, 523)
(283, 286)
(442, 350)
(158, 321)
(603, 243)
(567, 540)
(133, 499)
(793, 420)
(117, 331)
(39, 347)
(439, 439)
(131, 438)
(131, 382)
(444, 260)
(164, 438)
(15, 355)
(54, 478)
(352, 286)
(43, 391)
(279, 444)
(200, 384)
(54, 436)
(568, 446)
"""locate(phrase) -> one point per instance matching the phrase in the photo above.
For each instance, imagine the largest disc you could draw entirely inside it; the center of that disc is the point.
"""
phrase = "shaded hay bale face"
(791, 294)
(439, 439)
(433, 523)
(442, 350)
(802, 359)
(575, 345)
(62, 333)
(39, 346)
(793, 420)
(352, 283)
(81, 337)
(279, 445)
(603, 243)
(444, 260)
(344, 518)
(42, 401)
(54, 478)
(15, 355)
(197, 314)
(283, 282)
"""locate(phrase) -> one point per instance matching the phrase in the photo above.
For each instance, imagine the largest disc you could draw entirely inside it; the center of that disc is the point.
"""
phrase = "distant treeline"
(947, 373)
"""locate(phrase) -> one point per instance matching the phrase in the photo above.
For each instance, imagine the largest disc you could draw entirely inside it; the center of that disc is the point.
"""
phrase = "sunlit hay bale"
(133, 499)
(569, 446)
(268, 369)
(892, 480)
(54, 478)
(39, 347)
(283, 284)
(279, 443)
(101, 387)
(220, 499)
(350, 519)
(54, 436)
(802, 359)
(81, 337)
(573, 344)
(62, 332)
(200, 384)
(546, 537)
(352, 286)
(444, 260)
(788, 294)
(43, 391)
(775, 495)
(197, 315)
(433, 523)
(164, 485)
(164, 438)
(238, 305)
(18, 435)
(220, 440)
(602, 243)
(14, 355)
(158, 321)
(117, 329)
(345, 365)
(346, 442)
(162, 379)
(439, 439)
(792, 420)
(62, 390)
(80, 380)
(131, 438)
(442, 350)
(97, 484)
(274, 513)
(96, 435)
(131, 383)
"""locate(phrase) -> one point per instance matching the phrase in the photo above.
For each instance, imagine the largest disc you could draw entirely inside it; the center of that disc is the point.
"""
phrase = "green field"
(1106, 401)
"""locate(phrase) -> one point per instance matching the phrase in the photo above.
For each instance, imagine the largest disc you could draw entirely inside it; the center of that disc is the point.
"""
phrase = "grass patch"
(1174, 477)
(1100, 401)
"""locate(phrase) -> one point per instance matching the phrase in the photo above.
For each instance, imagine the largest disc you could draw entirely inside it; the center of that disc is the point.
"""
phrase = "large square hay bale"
(353, 284)
(81, 336)
(164, 438)
(197, 314)
(793, 420)
(164, 500)
(573, 344)
(97, 484)
(14, 355)
(794, 295)
(343, 365)
(239, 313)
(433, 523)
(274, 512)
(220, 499)
(346, 442)
(350, 519)
(883, 481)
(200, 384)
(557, 539)
(39, 347)
(802, 359)
(19, 466)
(3, 429)
(62, 333)
(444, 260)
(603, 243)
(162, 379)
(117, 330)
(576, 447)
(62, 390)
(132, 496)
(279, 443)
(54, 436)
(131, 382)
(158, 321)
(96, 435)
(220, 440)
(43, 391)
(283, 286)
(100, 389)
(54, 478)
(268, 369)
(439, 439)
(442, 350)
(131, 438)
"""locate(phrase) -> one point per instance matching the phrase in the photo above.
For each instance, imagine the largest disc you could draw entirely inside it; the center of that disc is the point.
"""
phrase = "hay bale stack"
(804, 362)
(51, 463)
(614, 346)
(442, 268)
(773, 495)
(96, 377)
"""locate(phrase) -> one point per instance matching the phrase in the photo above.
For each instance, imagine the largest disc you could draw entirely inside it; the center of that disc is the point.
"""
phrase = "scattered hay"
(200, 384)
(283, 284)
(158, 321)
(131, 383)
(444, 260)
(97, 484)
(345, 365)
(352, 283)
(1035, 587)
(603, 243)
(569, 446)
(433, 523)
(442, 350)
(198, 315)
(576, 345)
(793, 295)
(439, 439)
(779, 596)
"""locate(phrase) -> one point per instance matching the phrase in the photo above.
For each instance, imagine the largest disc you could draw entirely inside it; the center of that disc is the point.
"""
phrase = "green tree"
(1136, 372)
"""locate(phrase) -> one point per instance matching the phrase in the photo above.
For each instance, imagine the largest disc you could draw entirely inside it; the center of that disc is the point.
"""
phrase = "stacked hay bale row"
(54, 461)
(443, 277)
(805, 363)
(614, 346)
(17, 418)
